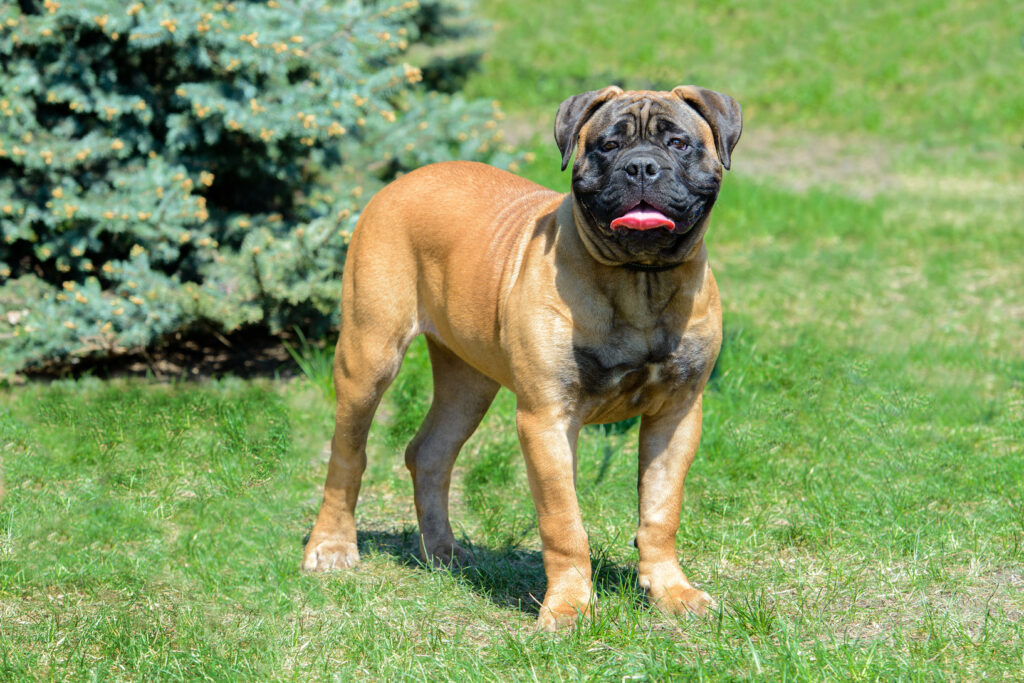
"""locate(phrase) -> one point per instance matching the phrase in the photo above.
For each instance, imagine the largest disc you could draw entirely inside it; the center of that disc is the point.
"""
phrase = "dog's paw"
(684, 600)
(558, 613)
(451, 556)
(329, 555)
(668, 590)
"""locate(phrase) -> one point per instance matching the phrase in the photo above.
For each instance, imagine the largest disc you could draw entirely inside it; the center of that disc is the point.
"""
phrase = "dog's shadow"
(508, 576)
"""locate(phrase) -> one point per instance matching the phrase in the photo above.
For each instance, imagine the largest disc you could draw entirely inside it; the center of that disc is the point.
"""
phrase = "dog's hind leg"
(461, 398)
(376, 328)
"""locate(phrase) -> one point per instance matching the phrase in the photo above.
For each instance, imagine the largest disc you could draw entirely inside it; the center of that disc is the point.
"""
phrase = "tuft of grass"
(316, 361)
(754, 614)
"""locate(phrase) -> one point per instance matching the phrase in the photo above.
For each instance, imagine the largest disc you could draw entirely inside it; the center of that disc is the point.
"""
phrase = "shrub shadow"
(196, 356)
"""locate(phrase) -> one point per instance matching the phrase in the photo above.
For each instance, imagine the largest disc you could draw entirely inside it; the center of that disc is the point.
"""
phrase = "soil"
(246, 353)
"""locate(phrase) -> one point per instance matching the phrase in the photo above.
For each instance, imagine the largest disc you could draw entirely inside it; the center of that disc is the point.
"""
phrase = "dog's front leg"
(668, 444)
(548, 439)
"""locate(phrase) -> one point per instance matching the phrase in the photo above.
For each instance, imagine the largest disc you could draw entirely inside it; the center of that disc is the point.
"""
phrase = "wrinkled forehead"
(638, 114)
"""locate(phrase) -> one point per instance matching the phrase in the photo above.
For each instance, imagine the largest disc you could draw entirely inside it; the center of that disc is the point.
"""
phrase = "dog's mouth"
(643, 216)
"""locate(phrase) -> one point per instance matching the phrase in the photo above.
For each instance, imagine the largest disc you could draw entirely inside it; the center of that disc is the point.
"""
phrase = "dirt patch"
(523, 129)
(246, 353)
(799, 160)
(859, 166)
(992, 596)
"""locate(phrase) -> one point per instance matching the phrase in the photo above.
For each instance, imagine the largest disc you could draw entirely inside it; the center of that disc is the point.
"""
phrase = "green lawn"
(942, 73)
(857, 504)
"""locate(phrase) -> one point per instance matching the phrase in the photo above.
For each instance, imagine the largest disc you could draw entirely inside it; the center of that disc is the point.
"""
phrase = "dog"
(591, 307)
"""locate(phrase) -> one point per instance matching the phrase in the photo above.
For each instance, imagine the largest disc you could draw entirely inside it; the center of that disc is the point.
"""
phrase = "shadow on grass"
(508, 576)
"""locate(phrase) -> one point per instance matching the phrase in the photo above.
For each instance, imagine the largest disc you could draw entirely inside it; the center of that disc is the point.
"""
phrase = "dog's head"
(648, 169)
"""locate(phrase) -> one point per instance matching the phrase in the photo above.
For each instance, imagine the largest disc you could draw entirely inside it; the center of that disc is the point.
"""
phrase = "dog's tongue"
(643, 219)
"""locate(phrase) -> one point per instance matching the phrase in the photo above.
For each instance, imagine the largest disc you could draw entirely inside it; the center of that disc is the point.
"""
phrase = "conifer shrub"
(177, 165)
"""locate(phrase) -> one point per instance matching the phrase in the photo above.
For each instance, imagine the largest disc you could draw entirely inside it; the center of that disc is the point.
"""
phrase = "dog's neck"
(610, 255)
(639, 292)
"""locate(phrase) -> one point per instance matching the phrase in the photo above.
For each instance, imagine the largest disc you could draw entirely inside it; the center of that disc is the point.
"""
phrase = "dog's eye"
(610, 145)
(678, 143)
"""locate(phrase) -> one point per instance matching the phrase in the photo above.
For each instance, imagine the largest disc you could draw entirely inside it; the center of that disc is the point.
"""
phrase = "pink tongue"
(643, 219)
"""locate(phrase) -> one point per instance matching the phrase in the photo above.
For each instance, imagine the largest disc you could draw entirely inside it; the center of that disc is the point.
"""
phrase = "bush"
(168, 166)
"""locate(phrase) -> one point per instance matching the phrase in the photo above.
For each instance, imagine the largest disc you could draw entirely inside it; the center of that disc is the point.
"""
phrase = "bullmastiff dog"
(591, 307)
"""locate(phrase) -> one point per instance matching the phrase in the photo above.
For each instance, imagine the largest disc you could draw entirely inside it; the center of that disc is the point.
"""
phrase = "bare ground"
(246, 353)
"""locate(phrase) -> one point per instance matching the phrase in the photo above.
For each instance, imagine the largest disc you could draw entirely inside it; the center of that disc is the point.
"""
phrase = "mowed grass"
(856, 506)
(939, 73)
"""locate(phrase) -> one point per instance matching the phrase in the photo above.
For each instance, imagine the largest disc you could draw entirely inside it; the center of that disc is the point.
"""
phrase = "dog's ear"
(573, 113)
(720, 111)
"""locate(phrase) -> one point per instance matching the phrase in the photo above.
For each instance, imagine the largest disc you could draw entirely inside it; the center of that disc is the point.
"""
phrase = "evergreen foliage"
(172, 165)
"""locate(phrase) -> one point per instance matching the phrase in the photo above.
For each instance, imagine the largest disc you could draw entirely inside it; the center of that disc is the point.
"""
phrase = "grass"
(856, 505)
(935, 72)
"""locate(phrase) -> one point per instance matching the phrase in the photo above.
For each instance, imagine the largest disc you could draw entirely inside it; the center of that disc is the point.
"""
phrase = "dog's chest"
(630, 368)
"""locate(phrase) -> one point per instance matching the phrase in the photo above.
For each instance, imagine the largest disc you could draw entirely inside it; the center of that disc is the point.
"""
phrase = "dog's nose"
(643, 168)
